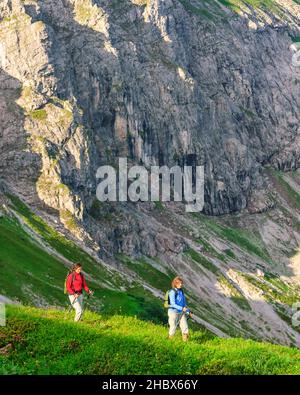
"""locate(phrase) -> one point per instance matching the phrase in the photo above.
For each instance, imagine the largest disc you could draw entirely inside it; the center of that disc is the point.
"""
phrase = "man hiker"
(178, 311)
(75, 283)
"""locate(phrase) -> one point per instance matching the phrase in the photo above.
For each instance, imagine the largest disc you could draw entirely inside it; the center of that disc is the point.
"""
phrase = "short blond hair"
(176, 281)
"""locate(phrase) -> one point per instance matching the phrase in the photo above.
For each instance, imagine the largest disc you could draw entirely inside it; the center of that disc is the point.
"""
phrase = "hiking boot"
(185, 337)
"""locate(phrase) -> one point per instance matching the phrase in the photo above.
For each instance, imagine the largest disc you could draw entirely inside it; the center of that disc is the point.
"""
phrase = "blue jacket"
(177, 300)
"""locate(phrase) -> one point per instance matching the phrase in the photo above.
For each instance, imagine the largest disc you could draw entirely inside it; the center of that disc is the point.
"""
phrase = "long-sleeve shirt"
(77, 284)
(177, 300)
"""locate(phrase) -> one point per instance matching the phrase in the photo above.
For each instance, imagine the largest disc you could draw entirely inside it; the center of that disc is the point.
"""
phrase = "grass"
(264, 5)
(48, 342)
(207, 247)
(230, 253)
(61, 109)
(146, 271)
(203, 261)
(248, 112)
(241, 237)
(56, 240)
(294, 197)
(236, 296)
(134, 302)
(39, 115)
(25, 262)
(199, 11)
(230, 4)
(279, 291)
(158, 205)
(197, 7)
(271, 278)
(69, 220)
(12, 18)
(95, 209)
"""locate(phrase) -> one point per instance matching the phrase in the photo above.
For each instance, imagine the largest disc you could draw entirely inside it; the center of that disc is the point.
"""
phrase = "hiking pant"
(77, 305)
(174, 319)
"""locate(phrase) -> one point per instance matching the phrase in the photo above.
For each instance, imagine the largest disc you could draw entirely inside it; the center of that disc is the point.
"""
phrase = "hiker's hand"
(91, 292)
(76, 296)
(184, 309)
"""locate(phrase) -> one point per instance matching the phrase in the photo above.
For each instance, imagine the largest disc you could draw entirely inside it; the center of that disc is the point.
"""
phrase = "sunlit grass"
(48, 342)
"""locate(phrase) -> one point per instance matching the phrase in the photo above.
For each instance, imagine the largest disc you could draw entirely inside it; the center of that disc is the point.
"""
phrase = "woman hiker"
(75, 284)
(178, 310)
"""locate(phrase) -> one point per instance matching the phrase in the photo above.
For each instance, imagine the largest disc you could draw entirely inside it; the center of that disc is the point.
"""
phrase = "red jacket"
(77, 284)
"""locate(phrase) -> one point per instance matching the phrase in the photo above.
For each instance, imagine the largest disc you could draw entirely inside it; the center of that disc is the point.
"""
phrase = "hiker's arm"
(172, 301)
(185, 309)
(69, 284)
(86, 288)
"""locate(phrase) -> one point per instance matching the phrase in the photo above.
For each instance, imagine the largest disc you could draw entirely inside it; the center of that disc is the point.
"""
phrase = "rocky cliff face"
(165, 82)
(162, 82)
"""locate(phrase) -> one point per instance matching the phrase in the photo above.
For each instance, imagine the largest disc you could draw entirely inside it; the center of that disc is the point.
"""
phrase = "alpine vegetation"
(143, 141)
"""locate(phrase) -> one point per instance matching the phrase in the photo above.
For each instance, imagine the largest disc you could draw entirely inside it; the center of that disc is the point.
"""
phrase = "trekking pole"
(178, 321)
(89, 295)
(71, 306)
(188, 316)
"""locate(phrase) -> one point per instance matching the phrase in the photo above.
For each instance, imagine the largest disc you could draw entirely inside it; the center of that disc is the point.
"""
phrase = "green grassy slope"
(37, 341)
(221, 251)
(25, 265)
(211, 9)
(34, 276)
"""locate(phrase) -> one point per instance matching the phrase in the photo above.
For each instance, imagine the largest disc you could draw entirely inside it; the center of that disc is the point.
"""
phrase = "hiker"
(178, 311)
(75, 283)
